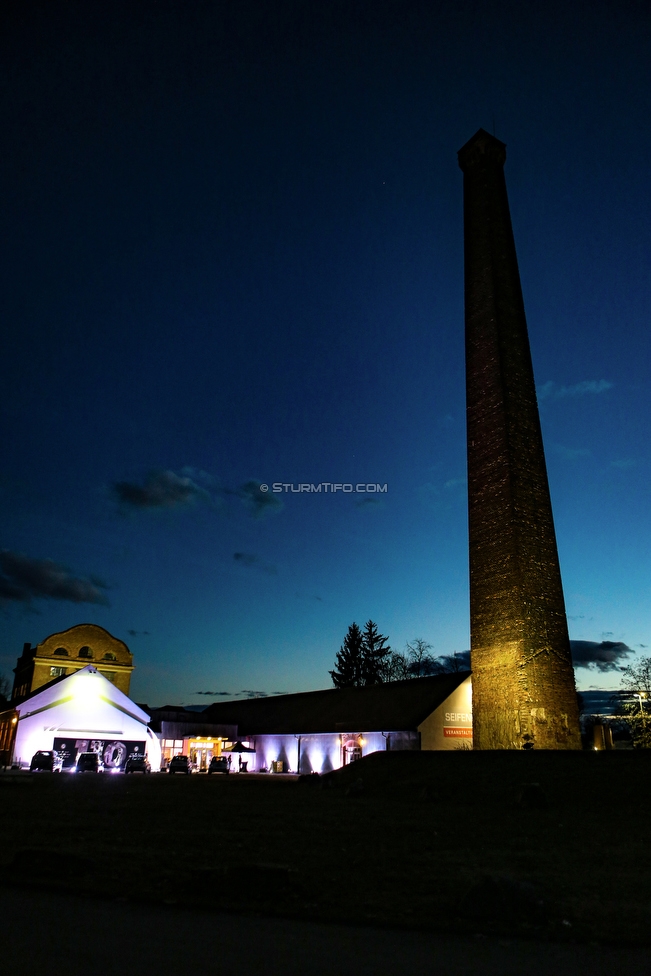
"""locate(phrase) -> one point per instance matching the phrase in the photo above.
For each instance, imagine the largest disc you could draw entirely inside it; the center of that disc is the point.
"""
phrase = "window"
(85, 651)
(57, 672)
(61, 651)
(109, 656)
(110, 675)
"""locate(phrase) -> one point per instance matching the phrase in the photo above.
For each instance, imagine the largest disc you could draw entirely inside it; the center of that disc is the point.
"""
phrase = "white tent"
(84, 712)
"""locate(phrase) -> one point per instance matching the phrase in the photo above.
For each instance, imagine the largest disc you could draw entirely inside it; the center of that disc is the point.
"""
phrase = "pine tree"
(349, 663)
(376, 655)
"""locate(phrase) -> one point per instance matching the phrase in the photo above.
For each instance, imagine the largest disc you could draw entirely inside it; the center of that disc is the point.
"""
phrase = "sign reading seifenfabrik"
(458, 725)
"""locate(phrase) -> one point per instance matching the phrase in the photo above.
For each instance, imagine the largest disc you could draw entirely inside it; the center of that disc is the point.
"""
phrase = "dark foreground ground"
(66, 935)
(551, 847)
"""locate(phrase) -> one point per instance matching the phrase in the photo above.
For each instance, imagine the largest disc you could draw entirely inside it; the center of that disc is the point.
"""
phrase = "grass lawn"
(452, 842)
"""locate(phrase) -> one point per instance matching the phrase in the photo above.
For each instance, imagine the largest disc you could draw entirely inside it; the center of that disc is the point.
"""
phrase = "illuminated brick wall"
(523, 682)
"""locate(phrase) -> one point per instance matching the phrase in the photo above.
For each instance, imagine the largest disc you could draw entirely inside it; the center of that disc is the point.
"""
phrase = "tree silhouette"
(349, 663)
(416, 661)
(376, 655)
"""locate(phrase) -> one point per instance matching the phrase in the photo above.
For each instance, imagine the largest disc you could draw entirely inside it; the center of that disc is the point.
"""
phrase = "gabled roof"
(86, 680)
(397, 706)
(74, 637)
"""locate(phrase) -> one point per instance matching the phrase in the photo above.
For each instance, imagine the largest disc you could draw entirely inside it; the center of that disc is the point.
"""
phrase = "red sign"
(452, 733)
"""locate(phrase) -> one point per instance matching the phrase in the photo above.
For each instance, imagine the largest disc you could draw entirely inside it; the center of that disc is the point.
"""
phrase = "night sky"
(232, 254)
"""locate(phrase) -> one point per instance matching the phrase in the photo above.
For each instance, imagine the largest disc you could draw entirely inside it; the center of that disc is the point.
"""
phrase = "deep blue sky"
(232, 252)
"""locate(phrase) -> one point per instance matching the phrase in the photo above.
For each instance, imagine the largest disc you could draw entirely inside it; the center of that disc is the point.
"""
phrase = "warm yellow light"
(13, 721)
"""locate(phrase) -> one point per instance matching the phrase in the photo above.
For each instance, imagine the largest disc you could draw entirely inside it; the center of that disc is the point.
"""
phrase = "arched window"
(85, 651)
(61, 651)
(110, 656)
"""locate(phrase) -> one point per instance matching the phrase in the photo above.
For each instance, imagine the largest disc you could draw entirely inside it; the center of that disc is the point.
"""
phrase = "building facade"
(320, 731)
(188, 733)
(60, 655)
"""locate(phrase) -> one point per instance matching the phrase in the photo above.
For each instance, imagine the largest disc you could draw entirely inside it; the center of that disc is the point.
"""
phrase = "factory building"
(81, 705)
(318, 731)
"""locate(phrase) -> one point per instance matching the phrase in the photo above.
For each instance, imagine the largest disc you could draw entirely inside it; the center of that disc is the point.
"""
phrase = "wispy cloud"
(601, 656)
(369, 504)
(160, 489)
(259, 503)
(625, 464)
(251, 561)
(248, 693)
(554, 391)
(138, 633)
(570, 453)
(23, 578)
(166, 489)
(454, 484)
(202, 478)
(441, 496)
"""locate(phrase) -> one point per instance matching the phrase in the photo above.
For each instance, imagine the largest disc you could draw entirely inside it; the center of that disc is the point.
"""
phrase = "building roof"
(397, 706)
(85, 636)
(176, 722)
(87, 685)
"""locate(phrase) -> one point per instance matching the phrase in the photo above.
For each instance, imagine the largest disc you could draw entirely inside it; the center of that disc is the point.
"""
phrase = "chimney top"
(482, 148)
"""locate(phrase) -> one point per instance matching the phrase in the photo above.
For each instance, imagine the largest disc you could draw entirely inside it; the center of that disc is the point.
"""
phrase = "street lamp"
(641, 695)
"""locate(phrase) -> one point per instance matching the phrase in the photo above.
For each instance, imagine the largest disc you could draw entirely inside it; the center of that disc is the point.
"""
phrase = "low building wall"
(450, 725)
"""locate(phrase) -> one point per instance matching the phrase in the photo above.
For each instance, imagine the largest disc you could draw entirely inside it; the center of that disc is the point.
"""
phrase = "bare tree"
(452, 663)
(396, 668)
(421, 662)
(636, 679)
(417, 661)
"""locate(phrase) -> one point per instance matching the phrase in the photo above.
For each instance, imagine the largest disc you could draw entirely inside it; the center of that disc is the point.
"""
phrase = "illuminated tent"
(84, 712)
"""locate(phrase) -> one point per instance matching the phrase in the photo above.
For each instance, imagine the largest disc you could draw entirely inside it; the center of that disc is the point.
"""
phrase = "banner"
(113, 753)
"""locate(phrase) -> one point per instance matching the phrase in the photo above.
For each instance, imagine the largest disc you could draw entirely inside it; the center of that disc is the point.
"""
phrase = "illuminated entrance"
(201, 750)
(351, 749)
